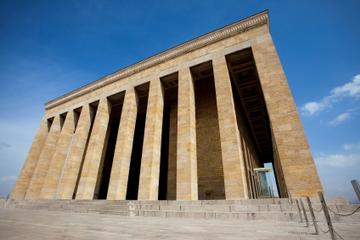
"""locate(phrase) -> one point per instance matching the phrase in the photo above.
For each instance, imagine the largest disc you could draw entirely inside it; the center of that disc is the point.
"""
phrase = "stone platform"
(42, 224)
(104, 219)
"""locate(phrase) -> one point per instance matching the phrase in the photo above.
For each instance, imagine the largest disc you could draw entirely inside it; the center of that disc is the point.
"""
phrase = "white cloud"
(7, 178)
(313, 107)
(351, 146)
(337, 169)
(340, 119)
(338, 160)
(350, 89)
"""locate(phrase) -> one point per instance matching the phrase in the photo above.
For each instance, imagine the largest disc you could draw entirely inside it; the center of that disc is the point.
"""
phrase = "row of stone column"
(59, 155)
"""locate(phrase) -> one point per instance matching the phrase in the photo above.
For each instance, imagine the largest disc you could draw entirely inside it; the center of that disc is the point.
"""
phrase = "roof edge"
(183, 48)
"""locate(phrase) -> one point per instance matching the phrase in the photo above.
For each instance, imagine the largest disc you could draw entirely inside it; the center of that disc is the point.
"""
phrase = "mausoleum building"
(191, 123)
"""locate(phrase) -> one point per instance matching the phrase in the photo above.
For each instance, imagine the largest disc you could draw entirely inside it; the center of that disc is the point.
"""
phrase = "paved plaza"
(30, 224)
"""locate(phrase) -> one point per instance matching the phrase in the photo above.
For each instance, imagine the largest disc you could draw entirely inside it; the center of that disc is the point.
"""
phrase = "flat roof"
(227, 31)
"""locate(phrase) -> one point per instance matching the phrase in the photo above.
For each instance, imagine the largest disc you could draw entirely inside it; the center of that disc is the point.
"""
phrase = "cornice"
(194, 44)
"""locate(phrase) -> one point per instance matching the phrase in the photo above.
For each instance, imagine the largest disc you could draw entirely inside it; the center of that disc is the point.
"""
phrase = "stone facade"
(191, 123)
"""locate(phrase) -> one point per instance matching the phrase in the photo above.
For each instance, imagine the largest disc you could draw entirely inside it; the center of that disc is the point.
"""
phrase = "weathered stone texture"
(53, 175)
(94, 155)
(150, 160)
(232, 156)
(186, 166)
(69, 178)
(296, 161)
(42, 166)
(209, 160)
(124, 143)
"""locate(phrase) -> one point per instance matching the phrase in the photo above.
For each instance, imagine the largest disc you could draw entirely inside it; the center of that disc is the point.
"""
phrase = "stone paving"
(38, 224)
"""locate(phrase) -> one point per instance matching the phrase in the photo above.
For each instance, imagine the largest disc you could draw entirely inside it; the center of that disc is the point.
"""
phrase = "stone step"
(216, 202)
(276, 216)
(118, 212)
(275, 209)
(223, 207)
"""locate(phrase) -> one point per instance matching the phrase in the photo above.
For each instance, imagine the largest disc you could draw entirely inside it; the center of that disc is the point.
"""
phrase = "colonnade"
(64, 159)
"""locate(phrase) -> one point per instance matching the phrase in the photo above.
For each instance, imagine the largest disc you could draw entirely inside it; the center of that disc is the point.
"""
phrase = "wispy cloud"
(351, 146)
(340, 119)
(338, 168)
(350, 89)
(338, 160)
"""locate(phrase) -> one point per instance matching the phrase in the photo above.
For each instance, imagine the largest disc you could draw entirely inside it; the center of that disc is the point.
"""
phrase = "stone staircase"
(80, 206)
(276, 209)
(250, 209)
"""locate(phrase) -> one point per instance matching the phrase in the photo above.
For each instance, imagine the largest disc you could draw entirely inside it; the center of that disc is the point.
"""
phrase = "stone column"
(72, 165)
(94, 154)
(45, 157)
(61, 153)
(123, 148)
(232, 156)
(301, 177)
(186, 166)
(22, 182)
(150, 160)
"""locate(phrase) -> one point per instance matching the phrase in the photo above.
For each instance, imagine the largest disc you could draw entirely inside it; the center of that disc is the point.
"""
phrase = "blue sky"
(48, 48)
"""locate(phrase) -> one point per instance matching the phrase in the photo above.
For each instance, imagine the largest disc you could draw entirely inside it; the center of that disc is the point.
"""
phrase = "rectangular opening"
(62, 119)
(208, 146)
(49, 123)
(252, 118)
(271, 189)
(77, 113)
(116, 102)
(167, 180)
